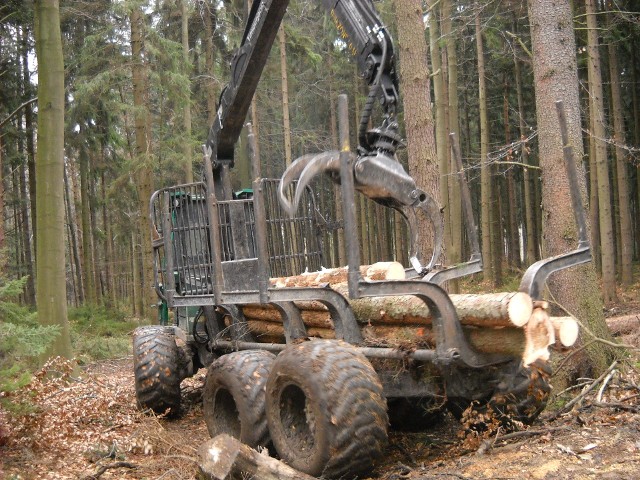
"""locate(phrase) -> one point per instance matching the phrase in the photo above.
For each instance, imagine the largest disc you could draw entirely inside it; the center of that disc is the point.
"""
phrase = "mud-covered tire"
(157, 366)
(520, 395)
(234, 396)
(326, 410)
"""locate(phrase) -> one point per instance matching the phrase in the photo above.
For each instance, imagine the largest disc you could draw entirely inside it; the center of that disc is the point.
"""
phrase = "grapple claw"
(303, 169)
(427, 204)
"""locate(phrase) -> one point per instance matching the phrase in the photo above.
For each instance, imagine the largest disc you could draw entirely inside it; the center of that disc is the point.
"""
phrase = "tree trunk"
(51, 290)
(89, 285)
(485, 167)
(455, 206)
(28, 121)
(144, 181)
(529, 197)
(73, 236)
(3, 256)
(109, 257)
(442, 139)
(29, 291)
(555, 77)
(513, 235)
(209, 58)
(415, 85)
(624, 204)
(286, 124)
(596, 112)
(186, 141)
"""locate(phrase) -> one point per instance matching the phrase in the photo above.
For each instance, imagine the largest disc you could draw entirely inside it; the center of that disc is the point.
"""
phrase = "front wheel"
(326, 410)
(158, 369)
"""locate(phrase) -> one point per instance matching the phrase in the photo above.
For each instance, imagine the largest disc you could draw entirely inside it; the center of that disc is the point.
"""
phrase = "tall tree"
(555, 77)
(51, 291)
(416, 90)
(485, 167)
(598, 133)
(186, 145)
(626, 238)
(144, 171)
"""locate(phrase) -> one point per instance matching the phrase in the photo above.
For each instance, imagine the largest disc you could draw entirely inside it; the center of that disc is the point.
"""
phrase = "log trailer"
(319, 366)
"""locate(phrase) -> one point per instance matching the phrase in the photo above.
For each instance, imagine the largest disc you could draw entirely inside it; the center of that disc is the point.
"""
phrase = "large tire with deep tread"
(326, 410)
(157, 363)
(234, 396)
(520, 395)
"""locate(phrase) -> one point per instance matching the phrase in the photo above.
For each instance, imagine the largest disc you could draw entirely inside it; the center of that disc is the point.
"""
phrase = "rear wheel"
(234, 396)
(326, 411)
(158, 369)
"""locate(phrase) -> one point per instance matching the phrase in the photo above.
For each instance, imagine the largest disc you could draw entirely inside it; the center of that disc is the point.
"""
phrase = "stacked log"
(507, 323)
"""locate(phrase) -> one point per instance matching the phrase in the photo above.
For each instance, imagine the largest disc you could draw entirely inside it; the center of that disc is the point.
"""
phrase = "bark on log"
(624, 325)
(485, 310)
(377, 271)
(539, 334)
(566, 330)
(311, 318)
(512, 341)
(226, 458)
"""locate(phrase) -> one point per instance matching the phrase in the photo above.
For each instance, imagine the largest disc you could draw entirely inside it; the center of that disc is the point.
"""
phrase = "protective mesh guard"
(293, 243)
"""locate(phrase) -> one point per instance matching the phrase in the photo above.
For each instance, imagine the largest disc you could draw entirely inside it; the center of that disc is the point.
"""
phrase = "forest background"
(141, 82)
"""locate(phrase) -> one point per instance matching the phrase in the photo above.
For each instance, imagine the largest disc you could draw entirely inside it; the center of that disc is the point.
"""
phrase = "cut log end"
(566, 330)
(540, 334)
(520, 309)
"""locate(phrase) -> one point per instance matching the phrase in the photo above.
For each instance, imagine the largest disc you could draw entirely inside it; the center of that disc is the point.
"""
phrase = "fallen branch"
(224, 456)
(619, 406)
(584, 393)
(109, 466)
(489, 443)
(623, 325)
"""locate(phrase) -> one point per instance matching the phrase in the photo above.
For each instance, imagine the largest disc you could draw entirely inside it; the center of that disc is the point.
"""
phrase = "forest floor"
(89, 428)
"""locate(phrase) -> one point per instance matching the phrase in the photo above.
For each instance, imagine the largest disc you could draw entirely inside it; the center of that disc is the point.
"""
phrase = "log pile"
(507, 323)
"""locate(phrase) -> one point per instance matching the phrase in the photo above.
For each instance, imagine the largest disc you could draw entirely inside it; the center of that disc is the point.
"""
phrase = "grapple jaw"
(380, 177)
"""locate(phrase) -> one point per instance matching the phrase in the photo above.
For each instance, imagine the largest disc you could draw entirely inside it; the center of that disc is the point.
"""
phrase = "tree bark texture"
(144, 182)
(598, 134)
(453, 123)
(415, 85)
(486, 181)
(51, 294)
(624, 204)
(555, 77)
(186, 145)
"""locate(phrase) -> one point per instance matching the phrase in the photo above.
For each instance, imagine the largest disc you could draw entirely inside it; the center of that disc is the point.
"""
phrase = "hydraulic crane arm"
(377, 173)
(359, 27)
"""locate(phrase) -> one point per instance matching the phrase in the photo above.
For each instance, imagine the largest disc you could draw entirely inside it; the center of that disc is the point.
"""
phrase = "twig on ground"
(489, 443)
(620, 406)
(583, 394)
(106, 467)
(605, 382)
(573, 387)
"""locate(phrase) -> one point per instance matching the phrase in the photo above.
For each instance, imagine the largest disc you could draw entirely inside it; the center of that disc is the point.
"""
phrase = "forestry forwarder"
(321, 402)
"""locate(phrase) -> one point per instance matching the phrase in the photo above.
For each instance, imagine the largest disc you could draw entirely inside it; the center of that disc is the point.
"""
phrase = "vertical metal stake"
(348, 200)
(214, 227)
